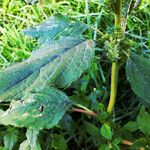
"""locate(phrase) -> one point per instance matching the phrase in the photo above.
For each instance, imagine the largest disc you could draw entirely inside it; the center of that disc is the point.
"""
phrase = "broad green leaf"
(32, 137)
(39, 110)
(10, 139)
(143, 122)
(94, 133)
(92, 130)
(106, 131)
(130, 126)
(59, 64)
(58, 142)
(138, 73)
(56, 26)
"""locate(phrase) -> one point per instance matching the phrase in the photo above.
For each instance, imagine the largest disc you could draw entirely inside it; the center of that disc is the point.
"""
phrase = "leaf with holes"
(42, 109)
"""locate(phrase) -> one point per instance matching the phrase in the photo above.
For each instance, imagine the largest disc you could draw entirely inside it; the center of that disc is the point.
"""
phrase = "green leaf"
(58, 63)
(10, 139)
(94, 133)
(138, 73)
(106, 131)
(92, 130)
(139, 143)
(58, 142)
(104, 147)
(3, 148)
(143, 122)
(130, 126)
(56, 26)
(42, 109)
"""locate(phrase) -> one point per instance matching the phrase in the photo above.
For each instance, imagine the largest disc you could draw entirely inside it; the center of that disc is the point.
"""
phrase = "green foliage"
(56, 26)
(30, 94)
(42, 109)
(139, 143)
(55, 63)
(138, 73)
(131, 126)
(143, 121)
(106, 131)
(58, 142)
(70, 59)
(10, 139)
(141, 124)
(104, 147)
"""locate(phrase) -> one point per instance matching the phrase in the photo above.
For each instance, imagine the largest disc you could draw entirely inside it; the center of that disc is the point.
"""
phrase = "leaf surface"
(54, 27)
(106, 131)
(59, 63)
(138, 73)
(143, 122)
(42, 109)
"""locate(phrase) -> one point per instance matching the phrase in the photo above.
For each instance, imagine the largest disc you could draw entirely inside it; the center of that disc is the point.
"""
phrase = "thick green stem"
(114, 76)
(115, 65)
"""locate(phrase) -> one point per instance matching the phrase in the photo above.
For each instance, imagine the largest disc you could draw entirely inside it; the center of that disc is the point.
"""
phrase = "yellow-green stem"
(115, 65)
(114, 76)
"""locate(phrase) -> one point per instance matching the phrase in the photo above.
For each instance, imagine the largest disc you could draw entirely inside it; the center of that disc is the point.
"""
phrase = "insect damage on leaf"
(27, 114)
(29, 85)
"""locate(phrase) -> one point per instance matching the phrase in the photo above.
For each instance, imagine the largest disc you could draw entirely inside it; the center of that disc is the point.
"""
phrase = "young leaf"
(106, 131)
(138, 73)
(92, 130)
(59, 64)
(143, 122)
(42, 109)
(54, 27)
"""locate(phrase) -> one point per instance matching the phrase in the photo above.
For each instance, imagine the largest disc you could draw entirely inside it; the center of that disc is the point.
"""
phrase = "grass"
(94, 86)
